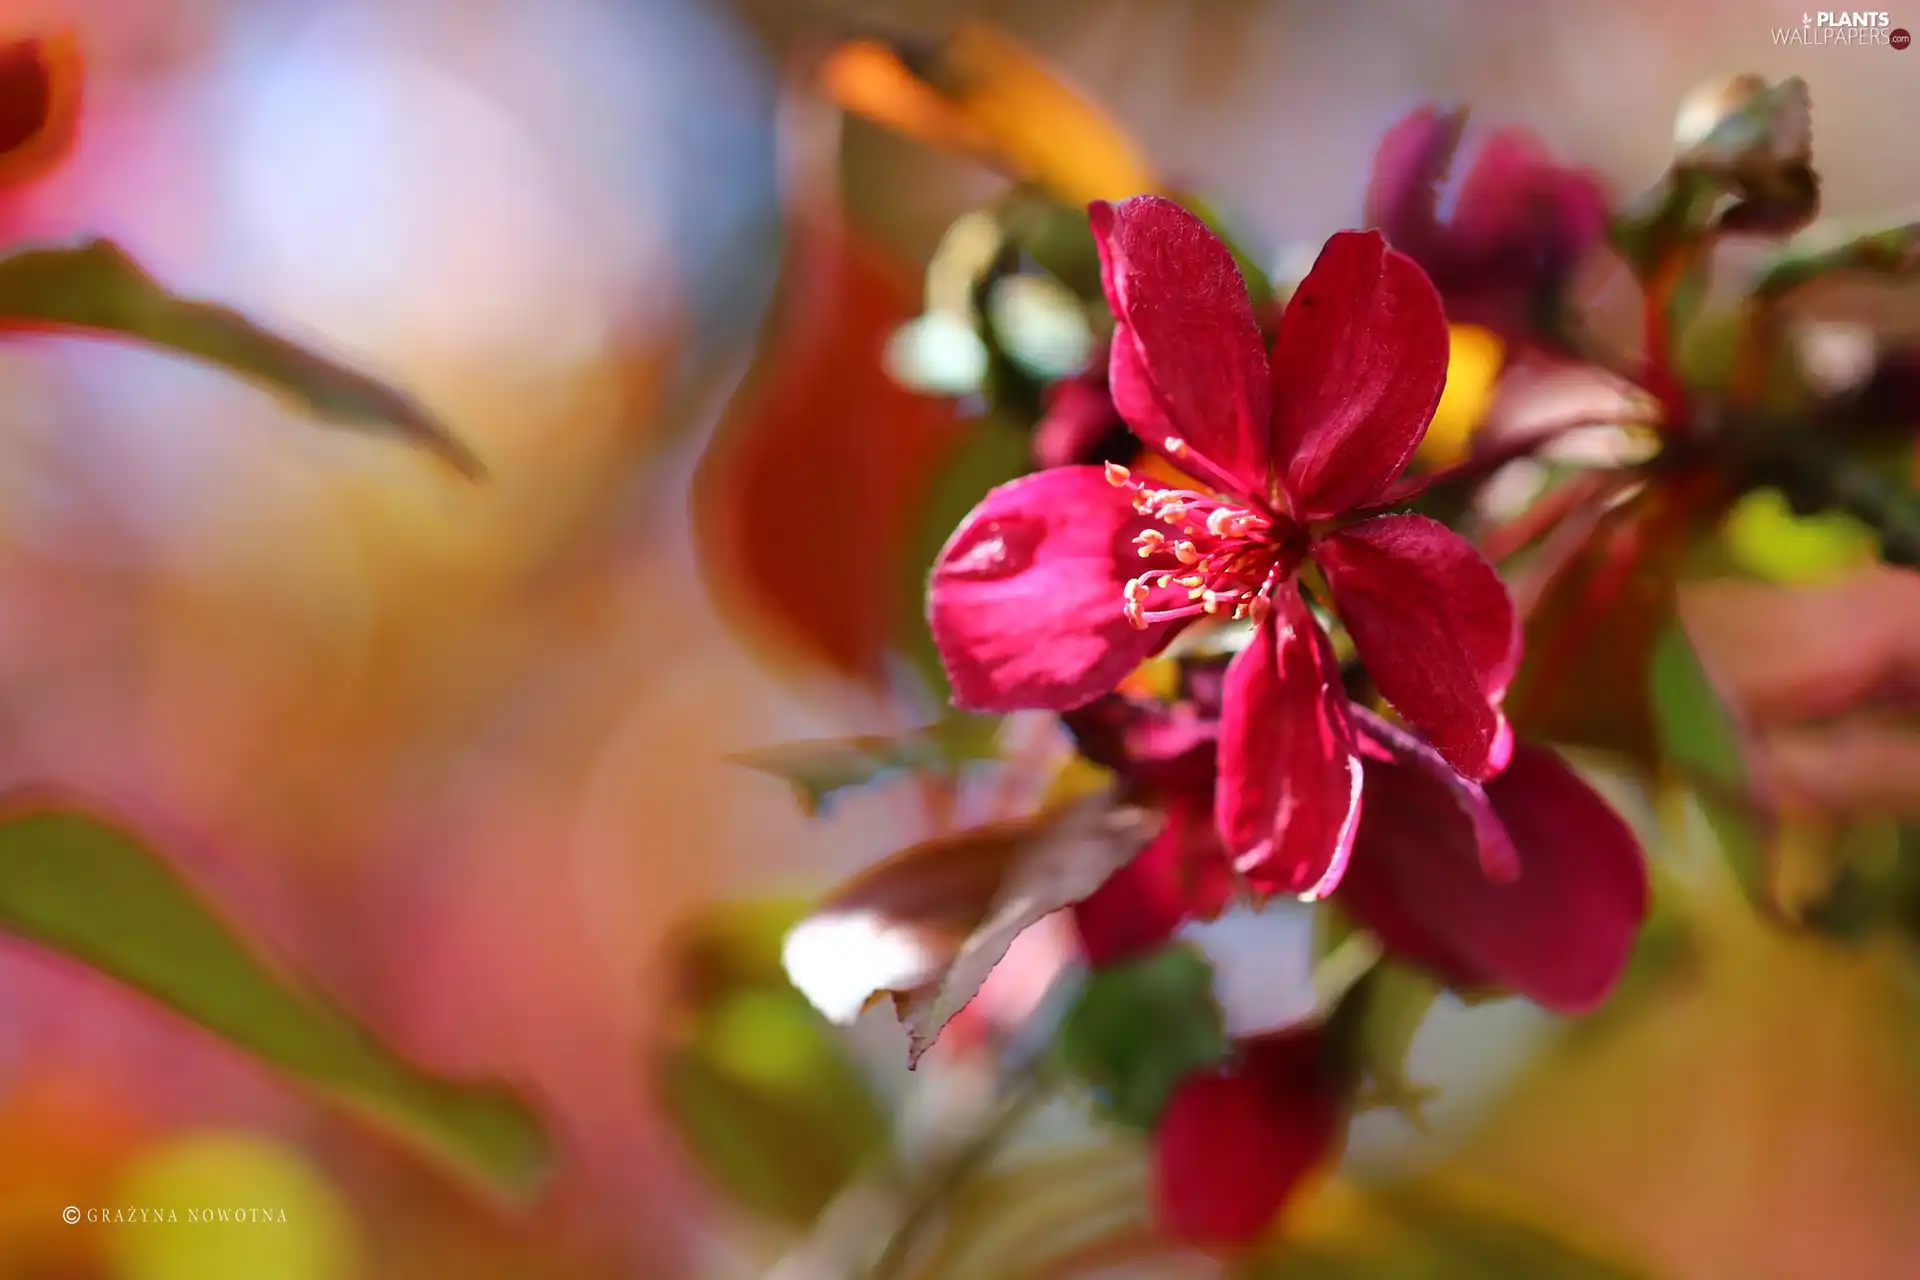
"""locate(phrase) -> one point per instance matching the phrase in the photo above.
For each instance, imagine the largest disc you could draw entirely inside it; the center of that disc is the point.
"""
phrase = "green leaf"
(1765, 538)
(1141, 1026)
(1699, 735)
(821, 768)
(771, 1104)
(1662, 220)
(1893, 252)
(1057, 238)
(723, 947)
(1477, 1242)
(994, 452)
(1411, 1232)
(1817, 475)
(1375, 1026)
(93, 892)
(94, 288)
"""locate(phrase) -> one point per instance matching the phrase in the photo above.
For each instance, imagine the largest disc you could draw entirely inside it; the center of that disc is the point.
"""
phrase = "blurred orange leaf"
(980, 93)
(40, 93)
(928, 924)
(806, 505)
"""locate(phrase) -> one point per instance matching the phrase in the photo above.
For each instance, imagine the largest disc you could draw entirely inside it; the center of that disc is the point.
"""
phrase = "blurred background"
(459, 753)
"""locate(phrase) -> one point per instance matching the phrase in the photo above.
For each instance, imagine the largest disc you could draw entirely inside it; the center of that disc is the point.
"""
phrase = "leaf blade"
(91, 891)
(94, 289)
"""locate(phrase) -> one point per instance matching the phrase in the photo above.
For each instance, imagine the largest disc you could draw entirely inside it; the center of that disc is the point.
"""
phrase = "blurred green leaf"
(1887, 251)
(1649, 229)
(1816, 474)
(1412, 1232)
(1141, 1026)
(770, 1103)
(821, 768)
(993, 452)
(1040, 325)
(94, 288)
(1057, 238)
(1699, 735)
(722, 947)
(937, 354)
(1377, 1024)
(91, 891)
(1764, 537)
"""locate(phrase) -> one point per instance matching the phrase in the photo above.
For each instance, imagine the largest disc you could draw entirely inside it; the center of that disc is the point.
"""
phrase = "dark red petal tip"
(1436, 628)
(1187, 360)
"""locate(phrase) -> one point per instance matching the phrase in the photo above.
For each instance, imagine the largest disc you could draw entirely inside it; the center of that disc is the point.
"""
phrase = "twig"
(876, 1211)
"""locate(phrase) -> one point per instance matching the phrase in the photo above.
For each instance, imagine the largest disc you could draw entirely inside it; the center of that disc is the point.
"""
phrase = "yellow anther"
(1117, 475)
(1186, 553)
(1176, 446)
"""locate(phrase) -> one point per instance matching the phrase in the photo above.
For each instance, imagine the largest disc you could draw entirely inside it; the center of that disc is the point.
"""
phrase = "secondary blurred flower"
(1039, 599)
(40, 81)
(1081, 424)
(1520, 226)
(1238, 1140)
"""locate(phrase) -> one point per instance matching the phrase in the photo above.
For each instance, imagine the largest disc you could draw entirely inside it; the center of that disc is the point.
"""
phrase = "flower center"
(1232, 558)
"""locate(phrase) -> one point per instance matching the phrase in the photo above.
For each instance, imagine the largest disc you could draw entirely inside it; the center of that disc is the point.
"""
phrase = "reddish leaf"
(805, 504)
(1592, 617)
(928, 924)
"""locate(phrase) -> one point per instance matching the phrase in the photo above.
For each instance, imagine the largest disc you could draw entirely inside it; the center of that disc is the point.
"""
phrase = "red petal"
(1520, 211)
(1381, 739)
(1434, 625)
(1026, 599)
(1182, 875)
(1288, 799)
(1235, 1143)
(1357, 372)
(1162, 746)
(1559, 935)
(1413, 159)
(1187, 357)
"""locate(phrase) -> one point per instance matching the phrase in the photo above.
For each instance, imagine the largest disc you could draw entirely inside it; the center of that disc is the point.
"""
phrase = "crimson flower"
(1530, 884)
(1237, 1141)
(1519, 227)
(1041, 600)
